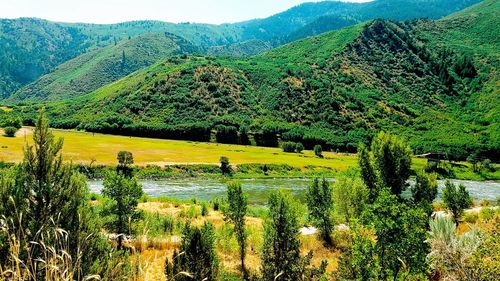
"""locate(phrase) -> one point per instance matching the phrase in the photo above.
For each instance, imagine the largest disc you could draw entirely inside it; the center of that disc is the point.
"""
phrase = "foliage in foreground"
(196, 258)
(46, 216)
(320, 204)
(235, 213)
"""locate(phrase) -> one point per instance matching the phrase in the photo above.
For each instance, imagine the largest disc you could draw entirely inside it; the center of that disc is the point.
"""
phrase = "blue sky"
(112, 11)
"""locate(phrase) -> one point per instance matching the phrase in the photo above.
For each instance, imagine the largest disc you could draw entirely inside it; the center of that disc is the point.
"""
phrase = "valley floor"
(99, 149)
(81, 147)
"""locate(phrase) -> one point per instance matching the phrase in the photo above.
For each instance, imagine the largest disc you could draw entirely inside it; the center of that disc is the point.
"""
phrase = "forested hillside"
(30, 48)
(336, 90)
(97, 68)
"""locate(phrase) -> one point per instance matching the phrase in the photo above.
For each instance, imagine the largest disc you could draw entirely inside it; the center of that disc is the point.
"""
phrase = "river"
(258, 189)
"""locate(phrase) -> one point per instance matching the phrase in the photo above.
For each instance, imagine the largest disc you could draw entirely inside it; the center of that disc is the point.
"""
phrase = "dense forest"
(336, 90)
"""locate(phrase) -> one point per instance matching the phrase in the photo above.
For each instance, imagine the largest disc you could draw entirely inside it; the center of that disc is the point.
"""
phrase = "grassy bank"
(160, 230)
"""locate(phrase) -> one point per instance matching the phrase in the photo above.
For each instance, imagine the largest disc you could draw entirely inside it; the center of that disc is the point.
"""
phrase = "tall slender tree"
(281, 251)
(235, 213)
(368, 172)
(124, 193)
(320, 205)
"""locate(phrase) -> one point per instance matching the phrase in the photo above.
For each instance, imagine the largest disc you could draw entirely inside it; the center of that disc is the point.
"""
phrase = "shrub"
(10, 132)
(225, 166)
(289, 146)
(216, 203)
(299, 147)
(167, 225)
(318, 151)
(471, 217)
(484, 203)
(204, 210)
(197, 255)
(487, 214)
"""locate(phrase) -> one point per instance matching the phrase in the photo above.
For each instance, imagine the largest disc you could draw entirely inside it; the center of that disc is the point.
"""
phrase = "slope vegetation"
(30, 48)
(95, 69)
(336, 89)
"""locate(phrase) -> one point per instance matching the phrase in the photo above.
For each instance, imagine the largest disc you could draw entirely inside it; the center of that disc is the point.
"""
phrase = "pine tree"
(46, 193)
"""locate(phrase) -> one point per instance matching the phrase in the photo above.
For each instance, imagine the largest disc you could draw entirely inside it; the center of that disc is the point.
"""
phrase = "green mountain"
(97, 68)
(433, 82)
(30, 48)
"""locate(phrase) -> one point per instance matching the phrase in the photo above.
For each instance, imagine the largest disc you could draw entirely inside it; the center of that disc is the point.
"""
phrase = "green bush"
(318, 150)
(299, 147)
(10, 132)
(204, 210)
(167, 224)
(471, 217)
(289, 146)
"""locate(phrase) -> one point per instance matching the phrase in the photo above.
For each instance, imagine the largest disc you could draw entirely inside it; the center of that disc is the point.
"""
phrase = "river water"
(258, 189)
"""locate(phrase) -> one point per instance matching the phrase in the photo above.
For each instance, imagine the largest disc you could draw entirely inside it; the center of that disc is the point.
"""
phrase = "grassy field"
(82, 147)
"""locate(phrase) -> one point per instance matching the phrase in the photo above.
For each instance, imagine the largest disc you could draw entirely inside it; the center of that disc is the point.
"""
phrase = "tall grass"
(47, 256)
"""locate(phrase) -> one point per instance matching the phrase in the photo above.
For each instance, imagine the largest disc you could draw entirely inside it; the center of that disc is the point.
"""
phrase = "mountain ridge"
(246, 38)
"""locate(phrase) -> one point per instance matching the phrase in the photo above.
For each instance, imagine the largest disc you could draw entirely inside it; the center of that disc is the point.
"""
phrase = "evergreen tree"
(281, 250)
(43, 193)
(123, 194)
(320, 205)
(197, 259)
(456, 199)
(235, 213)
